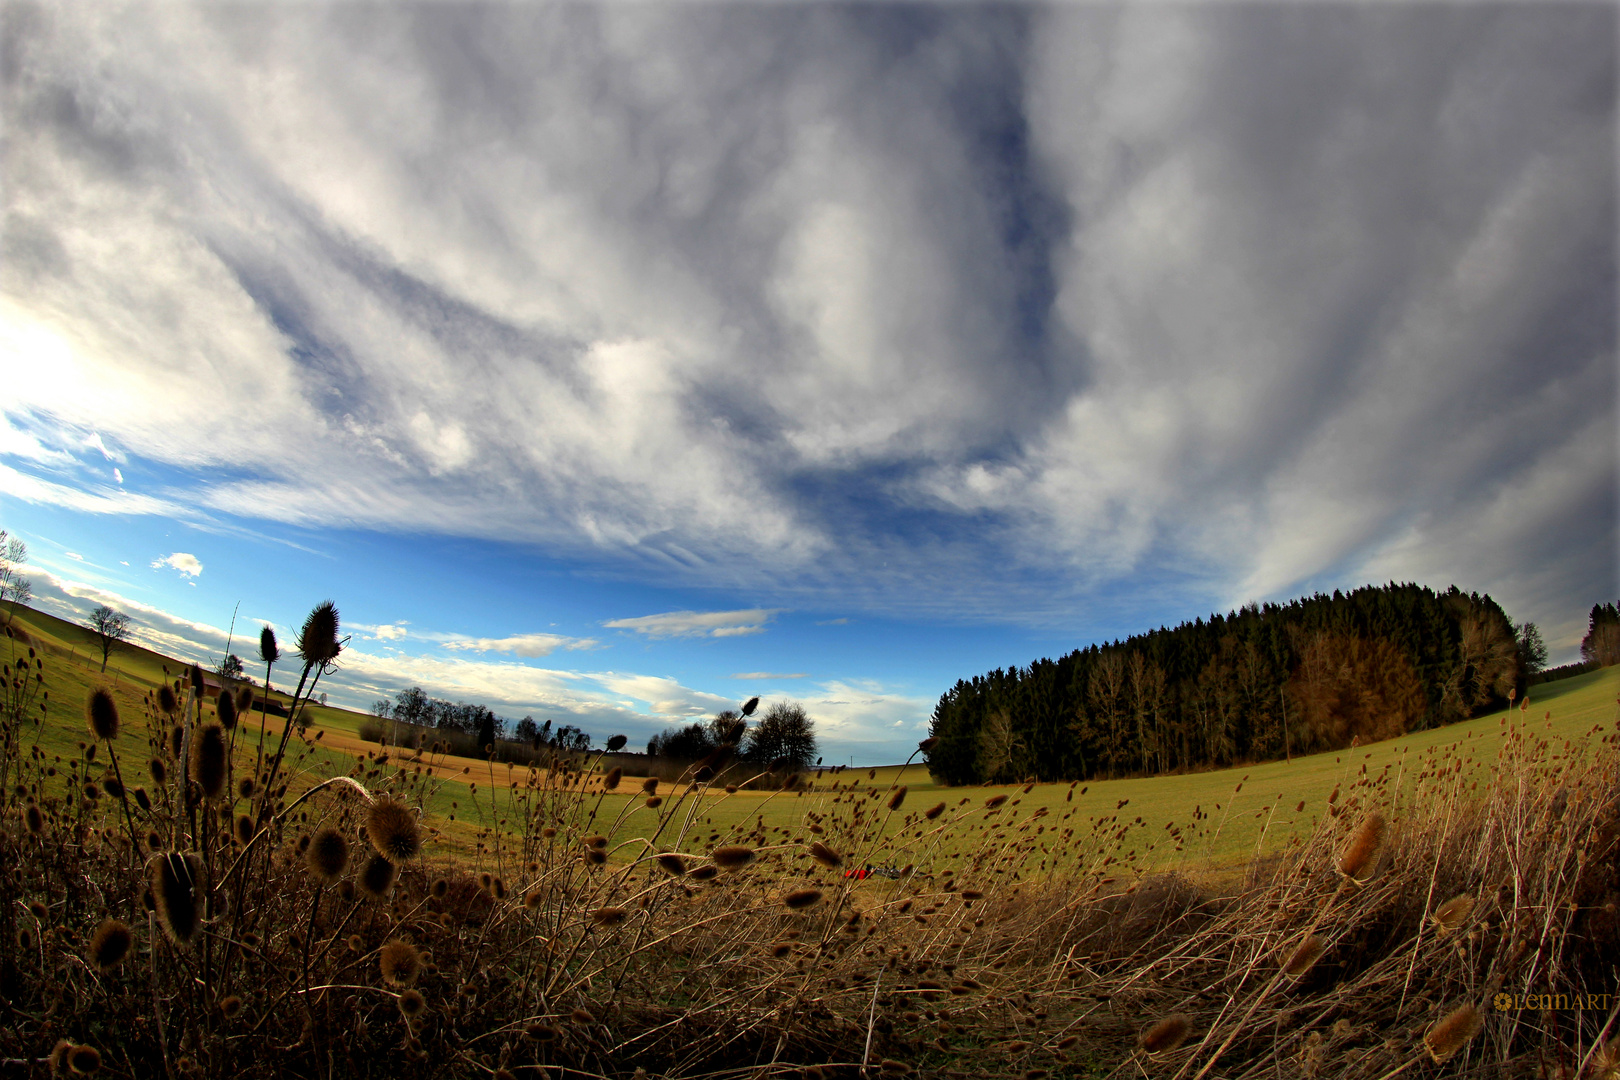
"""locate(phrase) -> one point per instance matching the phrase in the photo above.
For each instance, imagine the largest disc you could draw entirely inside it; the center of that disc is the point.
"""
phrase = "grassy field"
(1209, 824)
(1358, 914)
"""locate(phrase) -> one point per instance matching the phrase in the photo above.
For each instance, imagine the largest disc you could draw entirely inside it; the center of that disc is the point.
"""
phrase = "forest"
(1261, 683)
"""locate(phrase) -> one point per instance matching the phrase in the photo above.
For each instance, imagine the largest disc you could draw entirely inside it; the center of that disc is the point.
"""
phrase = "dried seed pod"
(376, 879)
(825, 855)
(1453, 913)
(327, 855)
(1304, 956)
(110, 944)
(1167, 1034)
(173, 880)
(733, 856)
(672, 864)
(799, 899)
(1451, 1034)
(1360, 856)
(208, 760)
(101, 714)
(393, 830)
(400, 961)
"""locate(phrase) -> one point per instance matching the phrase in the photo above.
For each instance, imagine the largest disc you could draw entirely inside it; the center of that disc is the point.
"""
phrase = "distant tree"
(13, 586)
(527, 731)
(1601, 646)
(412, 706)
(486, 729)
(231, 668)
(784, 734)
(569, 737)
(111, 629)
(1532, 649)
(681, 743)
(382, 707)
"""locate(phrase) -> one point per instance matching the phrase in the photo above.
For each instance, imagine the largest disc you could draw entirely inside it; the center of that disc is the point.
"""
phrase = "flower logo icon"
(1503, 1002)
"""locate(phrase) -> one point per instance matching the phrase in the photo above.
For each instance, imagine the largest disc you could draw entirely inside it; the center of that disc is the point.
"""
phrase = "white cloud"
(770, 675)
(118, 476)
(532, 645)
(698, 623)
(186, 563)
(74, 555)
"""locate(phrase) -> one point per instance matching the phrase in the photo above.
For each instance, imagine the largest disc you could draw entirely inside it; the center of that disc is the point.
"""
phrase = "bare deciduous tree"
(111, 628)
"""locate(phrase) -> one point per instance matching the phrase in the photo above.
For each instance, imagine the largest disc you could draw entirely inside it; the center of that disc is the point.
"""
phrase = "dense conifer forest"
(1261, 683)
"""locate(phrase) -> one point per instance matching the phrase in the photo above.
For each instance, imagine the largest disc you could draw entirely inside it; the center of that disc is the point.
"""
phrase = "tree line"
(1264, 682)
(783, 736)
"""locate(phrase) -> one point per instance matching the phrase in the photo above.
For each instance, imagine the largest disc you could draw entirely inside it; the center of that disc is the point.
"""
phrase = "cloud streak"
(949, 312)
(717, 624)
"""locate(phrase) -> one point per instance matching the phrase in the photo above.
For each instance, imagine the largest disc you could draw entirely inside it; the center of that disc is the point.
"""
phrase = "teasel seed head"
(327, 855)
(84, 1060)
(994, 801)
(616, 743)
(269, 651)
(142, 799)
(611, 780)
(1453, 913)
(440, 888)
(1167, 1034)
(582, 1016)
(1360, 856)
(1304, 956)
(177, 742)
(167, 702)
(654, 802)
(34, 818)
(401, 962)
(609, 916)
(226, 707)
(703, 873)
(159, 771)
(244, 699)
(799, 899)
(934, 811)
(672, 864)
(393, 830)
(101, 714)
(173, 879)
(650, 785)
(412, 1004)
(749, 706)
(244, 788)
(58, 1060)
(208, 754)
(230, 1006)
(897, 798)
(318, 640)
(376, 878)
(1451, 1034)
(110, 944)
(826, 856)
(928, 743)
(733, 856)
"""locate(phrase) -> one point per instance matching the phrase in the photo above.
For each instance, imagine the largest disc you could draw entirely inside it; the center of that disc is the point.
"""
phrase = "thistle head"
(392, 829)
(269, 651)
(101, 714)
(110, 944)
(208, 760)
(226, 707)
(318, 639)
(327, 855)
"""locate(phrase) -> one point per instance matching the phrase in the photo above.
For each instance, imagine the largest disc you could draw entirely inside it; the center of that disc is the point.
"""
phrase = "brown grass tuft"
(1359, 858)
(110, 944)
(101, 714)
(1167, 1034)
(1451, 1034)
(392, 829)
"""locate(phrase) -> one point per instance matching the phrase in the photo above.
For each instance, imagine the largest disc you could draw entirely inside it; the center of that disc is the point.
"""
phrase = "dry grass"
(587, 934)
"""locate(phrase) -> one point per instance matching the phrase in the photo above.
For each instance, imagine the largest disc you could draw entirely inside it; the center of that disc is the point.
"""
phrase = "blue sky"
(617, 363)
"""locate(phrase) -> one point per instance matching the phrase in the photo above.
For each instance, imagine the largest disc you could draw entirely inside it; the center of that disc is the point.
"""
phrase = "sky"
(615, 363)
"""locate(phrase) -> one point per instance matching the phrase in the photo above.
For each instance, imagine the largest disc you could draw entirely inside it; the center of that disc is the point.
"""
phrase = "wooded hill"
(1253, 685)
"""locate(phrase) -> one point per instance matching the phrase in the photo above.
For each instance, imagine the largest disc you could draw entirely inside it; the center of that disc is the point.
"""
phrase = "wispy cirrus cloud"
(770, 675)
(531, 645)
(964, 311)
(698, 623)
